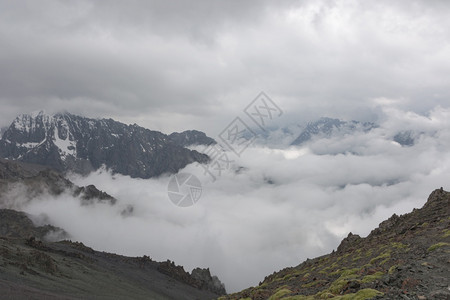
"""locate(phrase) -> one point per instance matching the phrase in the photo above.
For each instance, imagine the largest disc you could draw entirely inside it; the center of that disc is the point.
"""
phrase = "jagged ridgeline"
(406, 257)
(68, 142)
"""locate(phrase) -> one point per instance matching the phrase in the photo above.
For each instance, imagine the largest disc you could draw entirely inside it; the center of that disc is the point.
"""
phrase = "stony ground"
(406, 257)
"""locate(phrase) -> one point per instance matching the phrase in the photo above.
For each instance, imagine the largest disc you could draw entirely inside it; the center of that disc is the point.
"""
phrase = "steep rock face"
(191, 138)
(69, 142)
(208, 282)
(326, 127)
(406, 257)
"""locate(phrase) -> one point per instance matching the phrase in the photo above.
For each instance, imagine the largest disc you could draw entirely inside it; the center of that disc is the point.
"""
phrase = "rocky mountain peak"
(191, 138)
(65, 142)
(347, 243)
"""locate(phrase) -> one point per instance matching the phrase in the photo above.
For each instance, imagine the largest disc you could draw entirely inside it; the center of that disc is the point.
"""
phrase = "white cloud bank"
(244, 227)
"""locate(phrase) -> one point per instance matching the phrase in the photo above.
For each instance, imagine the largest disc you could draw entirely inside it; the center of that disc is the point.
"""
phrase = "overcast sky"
(175, 65)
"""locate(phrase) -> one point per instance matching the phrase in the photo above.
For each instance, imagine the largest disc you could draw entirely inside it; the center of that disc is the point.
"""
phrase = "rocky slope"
(406, 257)
(31, 268)
(15, 224)
(68, 142)
(21, 182)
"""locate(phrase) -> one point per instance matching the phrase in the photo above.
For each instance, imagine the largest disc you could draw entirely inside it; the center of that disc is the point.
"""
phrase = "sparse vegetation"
(392, 269)
(425, 224)
(338, 285)
(280, 293)
(446, 233)
(314, 283)
(382, 257)
(437, 246)
(299, 297)
(399, 245)
(361, 295)
(373, 277)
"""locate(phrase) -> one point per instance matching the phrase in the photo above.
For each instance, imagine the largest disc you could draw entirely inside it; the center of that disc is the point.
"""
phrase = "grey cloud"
(203, 61)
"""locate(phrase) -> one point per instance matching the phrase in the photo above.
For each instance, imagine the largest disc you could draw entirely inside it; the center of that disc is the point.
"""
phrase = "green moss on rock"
(280, 293)
(437, 246)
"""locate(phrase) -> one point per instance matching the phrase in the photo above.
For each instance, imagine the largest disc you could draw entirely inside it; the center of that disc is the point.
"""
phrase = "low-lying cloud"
(281, 207)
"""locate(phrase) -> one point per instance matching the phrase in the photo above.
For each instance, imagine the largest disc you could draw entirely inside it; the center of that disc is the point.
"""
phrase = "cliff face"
(406, 257)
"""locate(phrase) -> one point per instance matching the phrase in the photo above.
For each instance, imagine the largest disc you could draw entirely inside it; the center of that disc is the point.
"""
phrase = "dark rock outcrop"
(200, 278)
(208, 282)
(350, 242)
(191, 138)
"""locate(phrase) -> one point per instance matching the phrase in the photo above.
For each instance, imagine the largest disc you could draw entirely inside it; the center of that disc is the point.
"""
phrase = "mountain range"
(322, 129)
(67, 142)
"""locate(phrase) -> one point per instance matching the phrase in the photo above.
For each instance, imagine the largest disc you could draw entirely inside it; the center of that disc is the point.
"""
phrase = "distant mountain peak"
(65, 141)
(326, 127)
(405, 138)
(36, 113)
